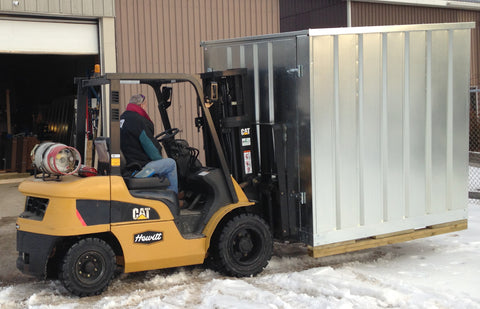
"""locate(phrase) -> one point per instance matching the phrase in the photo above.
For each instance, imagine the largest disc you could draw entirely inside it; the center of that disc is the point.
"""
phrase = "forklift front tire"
(245, 246)
(88, 267)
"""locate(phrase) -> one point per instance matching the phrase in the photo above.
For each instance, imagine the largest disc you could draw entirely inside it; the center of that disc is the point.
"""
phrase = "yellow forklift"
(84, 230)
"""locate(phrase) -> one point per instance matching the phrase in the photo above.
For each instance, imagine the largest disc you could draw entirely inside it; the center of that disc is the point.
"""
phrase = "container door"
(303, 181)
(286, 116)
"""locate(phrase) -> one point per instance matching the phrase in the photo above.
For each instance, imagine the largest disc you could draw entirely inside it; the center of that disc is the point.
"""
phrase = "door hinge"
(298, 70)
(301, 197)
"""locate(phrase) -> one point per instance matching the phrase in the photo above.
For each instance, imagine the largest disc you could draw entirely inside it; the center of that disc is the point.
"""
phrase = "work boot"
(181, 195)
(181, 199)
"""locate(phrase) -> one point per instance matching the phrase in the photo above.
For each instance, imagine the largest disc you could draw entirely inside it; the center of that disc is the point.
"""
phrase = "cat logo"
(141, 213)
(245, 131)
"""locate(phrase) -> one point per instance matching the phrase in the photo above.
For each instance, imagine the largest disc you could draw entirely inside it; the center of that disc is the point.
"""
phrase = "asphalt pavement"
(12, 204)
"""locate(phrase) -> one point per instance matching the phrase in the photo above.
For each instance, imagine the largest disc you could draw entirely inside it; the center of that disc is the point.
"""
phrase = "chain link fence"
(474, 145)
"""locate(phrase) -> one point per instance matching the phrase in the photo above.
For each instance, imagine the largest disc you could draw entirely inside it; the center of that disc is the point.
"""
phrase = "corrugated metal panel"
(388, 130)
(165, 36)
(376, 14)
(78, 8)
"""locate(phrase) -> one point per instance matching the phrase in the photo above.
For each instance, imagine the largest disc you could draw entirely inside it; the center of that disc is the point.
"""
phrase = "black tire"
(88, 267)
(244, 246)
(213, 259)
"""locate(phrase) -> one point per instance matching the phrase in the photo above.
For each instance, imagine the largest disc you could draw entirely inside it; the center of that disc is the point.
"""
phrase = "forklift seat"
(153, 182)
(103, 156)
(133, 183)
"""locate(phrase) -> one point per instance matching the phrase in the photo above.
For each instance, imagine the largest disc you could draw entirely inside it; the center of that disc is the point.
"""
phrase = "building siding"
(375, 14)
(165, 35)
(73, 8)
(304, 14)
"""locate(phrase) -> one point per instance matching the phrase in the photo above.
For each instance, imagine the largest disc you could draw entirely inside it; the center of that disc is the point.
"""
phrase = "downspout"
(349, 13)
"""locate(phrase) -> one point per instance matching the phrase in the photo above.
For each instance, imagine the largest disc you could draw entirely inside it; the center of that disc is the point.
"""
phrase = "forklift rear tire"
(88, 267)
(245, 246)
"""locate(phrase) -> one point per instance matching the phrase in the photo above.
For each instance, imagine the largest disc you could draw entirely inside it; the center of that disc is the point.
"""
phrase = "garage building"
(44, 44)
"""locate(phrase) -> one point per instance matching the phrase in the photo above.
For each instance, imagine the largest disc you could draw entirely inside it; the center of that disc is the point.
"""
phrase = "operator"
(138, 144)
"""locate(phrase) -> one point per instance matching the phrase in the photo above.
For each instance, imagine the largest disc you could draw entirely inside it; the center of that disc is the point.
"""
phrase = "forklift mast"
(259, 167)
(233, 119)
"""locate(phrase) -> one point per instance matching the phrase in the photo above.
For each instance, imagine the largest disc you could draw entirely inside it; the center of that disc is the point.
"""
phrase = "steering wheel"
(167, 134)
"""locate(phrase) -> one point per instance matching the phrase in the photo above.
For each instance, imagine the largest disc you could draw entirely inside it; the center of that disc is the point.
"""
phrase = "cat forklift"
(85, 230)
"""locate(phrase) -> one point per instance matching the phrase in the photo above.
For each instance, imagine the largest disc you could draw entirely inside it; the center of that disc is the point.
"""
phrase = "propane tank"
(55, 158)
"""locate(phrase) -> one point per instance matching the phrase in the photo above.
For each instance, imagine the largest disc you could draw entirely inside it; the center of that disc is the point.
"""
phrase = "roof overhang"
(446, 4)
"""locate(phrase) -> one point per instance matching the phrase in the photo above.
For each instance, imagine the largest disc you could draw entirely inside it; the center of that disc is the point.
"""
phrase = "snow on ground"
(436, 272)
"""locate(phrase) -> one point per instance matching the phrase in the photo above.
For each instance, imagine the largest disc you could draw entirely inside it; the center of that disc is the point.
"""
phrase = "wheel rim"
(90, 267)
(246, 246)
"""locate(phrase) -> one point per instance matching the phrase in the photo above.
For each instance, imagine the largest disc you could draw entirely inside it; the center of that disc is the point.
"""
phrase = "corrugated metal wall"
(165, 36)
(305, 14)
(389, 142)
(375, 14)
(78, 8)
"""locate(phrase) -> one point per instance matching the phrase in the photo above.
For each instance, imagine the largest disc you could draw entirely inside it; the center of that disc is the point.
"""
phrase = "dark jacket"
(136, 139)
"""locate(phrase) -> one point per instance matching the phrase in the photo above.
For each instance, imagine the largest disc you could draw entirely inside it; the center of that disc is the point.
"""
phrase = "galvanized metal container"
(374, 120)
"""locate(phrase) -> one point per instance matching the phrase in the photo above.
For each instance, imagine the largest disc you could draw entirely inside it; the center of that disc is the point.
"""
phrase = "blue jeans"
(168, 168)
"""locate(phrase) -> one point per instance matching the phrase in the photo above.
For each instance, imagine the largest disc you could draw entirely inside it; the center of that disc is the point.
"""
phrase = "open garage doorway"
(37, 102)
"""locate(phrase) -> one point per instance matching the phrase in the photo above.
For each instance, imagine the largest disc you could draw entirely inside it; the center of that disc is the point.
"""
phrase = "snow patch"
(436, 272)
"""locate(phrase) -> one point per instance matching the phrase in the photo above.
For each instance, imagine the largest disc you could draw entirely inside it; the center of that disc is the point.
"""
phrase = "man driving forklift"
(141, 150)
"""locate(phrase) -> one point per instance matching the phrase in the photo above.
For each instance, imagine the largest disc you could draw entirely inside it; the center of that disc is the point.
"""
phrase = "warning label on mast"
(247, 158)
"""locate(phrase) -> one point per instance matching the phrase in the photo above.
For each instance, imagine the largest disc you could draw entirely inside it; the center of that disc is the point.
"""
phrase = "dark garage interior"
(36, 103)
